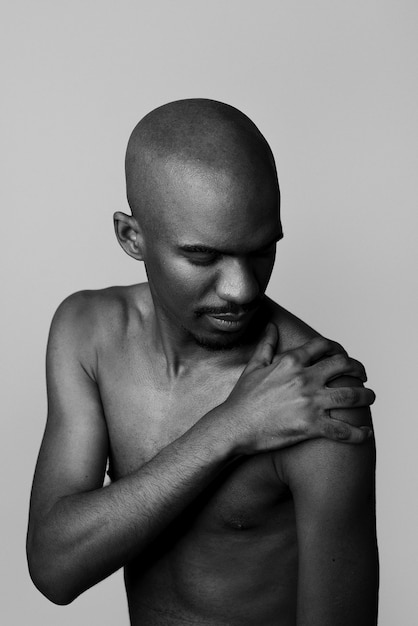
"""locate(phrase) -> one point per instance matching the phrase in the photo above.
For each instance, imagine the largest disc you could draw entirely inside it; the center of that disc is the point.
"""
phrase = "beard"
(230, 341)
(219, 344)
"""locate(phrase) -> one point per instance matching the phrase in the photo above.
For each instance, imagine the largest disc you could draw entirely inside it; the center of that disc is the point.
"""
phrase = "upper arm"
(73, 453)
(333, 486)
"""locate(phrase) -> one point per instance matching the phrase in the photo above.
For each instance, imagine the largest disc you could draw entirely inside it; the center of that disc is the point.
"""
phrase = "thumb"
(265, 349)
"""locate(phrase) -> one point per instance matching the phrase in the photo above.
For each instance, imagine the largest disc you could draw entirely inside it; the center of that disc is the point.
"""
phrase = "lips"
(229, 317)
(228, 321)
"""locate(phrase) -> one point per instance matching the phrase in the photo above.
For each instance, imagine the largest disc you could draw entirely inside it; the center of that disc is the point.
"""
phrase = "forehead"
(220, 207)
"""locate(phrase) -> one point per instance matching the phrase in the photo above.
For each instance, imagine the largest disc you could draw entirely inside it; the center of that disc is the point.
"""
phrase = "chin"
(226, 341)
(216, 345)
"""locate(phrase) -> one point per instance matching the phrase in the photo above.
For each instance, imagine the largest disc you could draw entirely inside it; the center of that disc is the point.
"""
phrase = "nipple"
(237, 524)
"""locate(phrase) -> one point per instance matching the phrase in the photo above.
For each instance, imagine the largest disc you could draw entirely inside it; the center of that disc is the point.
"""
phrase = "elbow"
(54, 595)
(61, 599)
(49, 588)
(49, 579)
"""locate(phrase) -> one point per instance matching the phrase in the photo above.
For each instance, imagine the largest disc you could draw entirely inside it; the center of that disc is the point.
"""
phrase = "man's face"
(211, 250)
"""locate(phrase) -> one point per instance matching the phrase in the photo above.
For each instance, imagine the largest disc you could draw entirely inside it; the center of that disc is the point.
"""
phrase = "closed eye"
(202, 258)
(200, 255)
(204, 255)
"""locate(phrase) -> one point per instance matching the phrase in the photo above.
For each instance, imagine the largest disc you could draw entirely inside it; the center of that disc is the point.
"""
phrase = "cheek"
(176, 280)
(262, 271)
(270, 269)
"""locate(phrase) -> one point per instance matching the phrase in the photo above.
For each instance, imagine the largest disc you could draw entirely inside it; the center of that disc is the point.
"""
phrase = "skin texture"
(197, 388)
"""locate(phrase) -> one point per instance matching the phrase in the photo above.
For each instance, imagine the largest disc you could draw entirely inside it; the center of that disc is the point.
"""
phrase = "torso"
(231, 558)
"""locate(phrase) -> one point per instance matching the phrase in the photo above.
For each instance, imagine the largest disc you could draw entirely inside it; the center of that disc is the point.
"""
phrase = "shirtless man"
(196, 387)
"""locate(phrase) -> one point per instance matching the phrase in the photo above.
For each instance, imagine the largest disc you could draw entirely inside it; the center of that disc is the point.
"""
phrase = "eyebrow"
(208, 249)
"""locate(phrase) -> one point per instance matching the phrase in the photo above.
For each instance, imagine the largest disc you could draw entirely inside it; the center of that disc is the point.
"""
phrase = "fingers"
(341, 431)
(339, 365)
(265, 350)
(325, 357)
(316, 349)
(346, 397)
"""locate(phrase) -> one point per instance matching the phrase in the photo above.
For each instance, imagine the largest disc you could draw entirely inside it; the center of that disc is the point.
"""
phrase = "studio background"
(333, 86)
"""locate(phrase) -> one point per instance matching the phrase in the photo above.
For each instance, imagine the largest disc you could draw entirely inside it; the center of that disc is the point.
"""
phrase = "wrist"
(224, 432)
(219, 433)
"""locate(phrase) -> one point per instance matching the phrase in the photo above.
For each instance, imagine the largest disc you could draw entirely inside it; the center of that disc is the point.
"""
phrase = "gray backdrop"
(333, 86)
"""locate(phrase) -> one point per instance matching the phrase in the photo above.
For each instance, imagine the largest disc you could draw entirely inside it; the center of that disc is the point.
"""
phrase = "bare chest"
(144, 414)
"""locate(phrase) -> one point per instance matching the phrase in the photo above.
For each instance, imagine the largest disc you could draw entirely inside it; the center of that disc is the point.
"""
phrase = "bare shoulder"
(96, 308)
(293, 332)
(99, 305)
(88, 319)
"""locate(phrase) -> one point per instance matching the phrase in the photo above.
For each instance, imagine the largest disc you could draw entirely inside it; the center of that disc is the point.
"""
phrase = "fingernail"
(368, 431)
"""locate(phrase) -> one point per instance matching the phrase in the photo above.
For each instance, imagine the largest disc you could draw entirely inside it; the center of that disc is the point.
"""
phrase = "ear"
(129, 235)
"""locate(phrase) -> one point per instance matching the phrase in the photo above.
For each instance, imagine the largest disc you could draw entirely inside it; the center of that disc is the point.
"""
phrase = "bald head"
(203, 190)
(197, 134)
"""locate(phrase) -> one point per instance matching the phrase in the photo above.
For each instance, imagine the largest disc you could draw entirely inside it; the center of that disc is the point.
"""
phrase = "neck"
(182, 353)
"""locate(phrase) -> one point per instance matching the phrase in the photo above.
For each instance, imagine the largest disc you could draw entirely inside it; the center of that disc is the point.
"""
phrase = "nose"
(236, 282)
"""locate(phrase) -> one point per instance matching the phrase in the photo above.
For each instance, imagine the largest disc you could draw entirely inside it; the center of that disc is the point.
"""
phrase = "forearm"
(86, 536)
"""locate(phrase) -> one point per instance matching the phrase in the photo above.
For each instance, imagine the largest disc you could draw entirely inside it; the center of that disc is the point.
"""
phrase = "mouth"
(229, 322)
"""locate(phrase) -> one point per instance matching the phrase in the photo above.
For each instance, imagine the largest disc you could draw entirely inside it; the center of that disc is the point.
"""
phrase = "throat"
(185, 361)
(183, 350)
